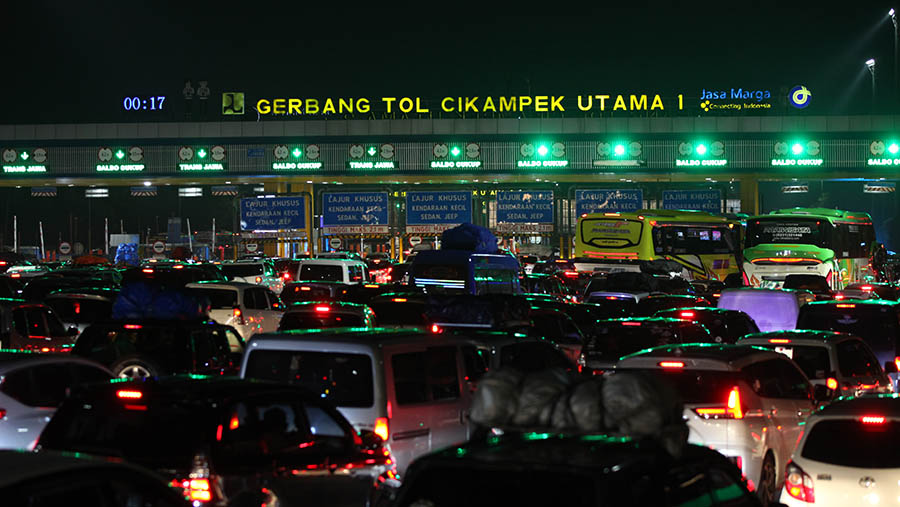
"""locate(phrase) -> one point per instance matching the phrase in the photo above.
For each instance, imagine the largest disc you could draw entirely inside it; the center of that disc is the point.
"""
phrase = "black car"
(173, 275)
(150, 348)
(11, 288)
(649, 305)
(33, 326)
(540, 468)
(70, 278)
(225, 441)
(726, 326)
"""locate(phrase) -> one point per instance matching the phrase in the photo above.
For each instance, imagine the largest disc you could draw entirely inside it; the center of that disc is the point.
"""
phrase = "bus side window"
(658, 240)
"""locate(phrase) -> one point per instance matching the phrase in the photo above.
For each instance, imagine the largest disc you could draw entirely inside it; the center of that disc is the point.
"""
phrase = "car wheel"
(767, 492)
(134, 369)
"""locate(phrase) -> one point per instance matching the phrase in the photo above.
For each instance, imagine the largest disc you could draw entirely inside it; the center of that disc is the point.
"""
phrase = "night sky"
(75, 61)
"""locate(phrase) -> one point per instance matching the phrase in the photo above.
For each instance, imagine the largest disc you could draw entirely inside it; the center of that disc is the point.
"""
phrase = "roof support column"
(750, 194)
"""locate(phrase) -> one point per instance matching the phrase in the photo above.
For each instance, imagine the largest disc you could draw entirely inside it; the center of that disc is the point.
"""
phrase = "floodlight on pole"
(893, 16)
(870, 64)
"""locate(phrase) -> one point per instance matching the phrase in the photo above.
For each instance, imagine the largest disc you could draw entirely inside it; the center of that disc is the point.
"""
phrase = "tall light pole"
(893, 16)
(870, 64)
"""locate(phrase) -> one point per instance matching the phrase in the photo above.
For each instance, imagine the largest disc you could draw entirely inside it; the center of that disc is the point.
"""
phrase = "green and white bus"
(836, 244)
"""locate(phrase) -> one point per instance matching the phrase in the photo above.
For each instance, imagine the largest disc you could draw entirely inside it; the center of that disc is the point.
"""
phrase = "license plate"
(788, 351)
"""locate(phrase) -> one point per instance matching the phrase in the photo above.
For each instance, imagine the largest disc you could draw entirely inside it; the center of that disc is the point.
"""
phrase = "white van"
(408, 386)
(332, 270)
(771, 309)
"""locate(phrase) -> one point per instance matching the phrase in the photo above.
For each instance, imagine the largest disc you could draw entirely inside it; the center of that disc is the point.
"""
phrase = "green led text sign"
(713, 162)
(542, 163)
(115, 168)
(24, 169)
(813, 162)
(292, 166)
(389, 164)
(883, 161)
(202, 167)
(453, 164)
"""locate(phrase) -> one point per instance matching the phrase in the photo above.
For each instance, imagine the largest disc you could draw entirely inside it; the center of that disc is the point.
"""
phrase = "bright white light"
(891, 12)
(147, 183)
(870, 62)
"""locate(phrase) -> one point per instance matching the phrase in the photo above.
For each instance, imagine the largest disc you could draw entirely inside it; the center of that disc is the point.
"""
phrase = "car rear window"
(852, 443)
(855, 360)
(318, 320)
(218, 298)
(242, 270)
(322, 272)
(813, 360)
(620, 339)
(343, 379)
(130, 340)
(80, 311)
(696, 386)
(403, 313)
(867, 321)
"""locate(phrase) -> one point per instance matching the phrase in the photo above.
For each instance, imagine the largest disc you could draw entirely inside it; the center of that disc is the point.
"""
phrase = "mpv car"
(151, 348)
(32, 386)
(332, 270)
(224, 441)
(770, 309)
(260, 272)
(249, 308)
(848, 455)
(406, 385)
(877, 322)
(840, 361)
(82, 307)
(747, 403)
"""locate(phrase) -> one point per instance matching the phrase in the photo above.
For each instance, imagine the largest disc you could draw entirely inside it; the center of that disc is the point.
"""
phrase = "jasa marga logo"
(799, 96)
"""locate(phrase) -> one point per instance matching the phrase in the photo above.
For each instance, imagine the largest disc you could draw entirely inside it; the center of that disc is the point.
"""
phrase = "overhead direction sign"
(591, 201)
(273, 213)
(438, 208)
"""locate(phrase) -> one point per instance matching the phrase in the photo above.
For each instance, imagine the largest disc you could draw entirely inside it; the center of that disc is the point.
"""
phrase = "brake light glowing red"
(671, 364)
(258, 279)
(199, 490)
(286, 276)
(570, 274)
(129, 394)
(323, 309)
(381, 428)
(686, 315)
(734, 403)
(732, 409)
(839, 297)
(872, 419)
(147, 270)
(399, 300)
(845, 305)
(435, 328)
(831, 383)
(631, 323)
(234, 423)
(238, 315)
(16, 275)
(178, 266)
(779, 340)
(133, 326)
(897, 362)
(304, 288)
(866, 287)
(371, 286)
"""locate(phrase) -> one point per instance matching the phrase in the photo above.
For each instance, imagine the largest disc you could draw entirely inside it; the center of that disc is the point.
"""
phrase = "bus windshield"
(693, 240)
(795, 231)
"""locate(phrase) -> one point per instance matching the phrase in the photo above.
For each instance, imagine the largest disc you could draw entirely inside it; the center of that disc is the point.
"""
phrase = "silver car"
(31, 388)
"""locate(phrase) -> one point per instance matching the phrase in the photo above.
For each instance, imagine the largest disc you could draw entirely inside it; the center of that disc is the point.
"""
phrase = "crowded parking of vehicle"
(279, 389)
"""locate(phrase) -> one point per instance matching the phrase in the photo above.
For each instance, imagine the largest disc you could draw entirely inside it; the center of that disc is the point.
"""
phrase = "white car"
(261, 272)
(849, 455)
(31, 388)
(747, 403)
(246, 307)
(332, 270)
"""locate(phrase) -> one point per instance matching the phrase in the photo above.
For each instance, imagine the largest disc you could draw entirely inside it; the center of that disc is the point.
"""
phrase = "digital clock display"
(144, 103)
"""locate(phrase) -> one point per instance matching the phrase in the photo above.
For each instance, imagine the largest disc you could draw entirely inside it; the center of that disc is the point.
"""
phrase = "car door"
(211, 352)
(798, 391)
(257, 310)
(273, 312)
(428, 404)
(778, 410)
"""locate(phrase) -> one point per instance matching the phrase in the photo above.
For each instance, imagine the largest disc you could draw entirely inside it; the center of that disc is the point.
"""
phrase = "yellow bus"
(704, 244)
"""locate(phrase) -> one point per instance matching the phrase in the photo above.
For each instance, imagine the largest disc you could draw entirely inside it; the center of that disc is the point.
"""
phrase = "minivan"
(771, 309)
(407, 385)
(332, 270)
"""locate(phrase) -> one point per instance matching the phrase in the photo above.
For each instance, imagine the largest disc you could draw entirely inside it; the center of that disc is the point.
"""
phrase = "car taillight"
(147, 270)
(399, 300)
(435, 328)
(831, 383)
(304, 288)
(732, 409)
(286, 276)
(671, 364)
(897, 362)
(799, 484)
(238, 315)
(570, 274)
(381, 428)
(323, 309)
(846, 306)
(779, 340)
(686, 315)
(872, 419)
(198, 486)
(128, 394)
(2, 413)
(258, 279)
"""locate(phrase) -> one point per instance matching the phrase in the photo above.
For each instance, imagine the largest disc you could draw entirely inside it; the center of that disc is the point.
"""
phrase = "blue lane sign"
(355, 208)
(273, 213)
(427, 208)
(592, 201)
(525, 207)
(700, 200)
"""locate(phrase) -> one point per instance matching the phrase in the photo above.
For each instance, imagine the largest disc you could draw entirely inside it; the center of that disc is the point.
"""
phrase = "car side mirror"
(821, 393)
(890, 367)
(72, 331)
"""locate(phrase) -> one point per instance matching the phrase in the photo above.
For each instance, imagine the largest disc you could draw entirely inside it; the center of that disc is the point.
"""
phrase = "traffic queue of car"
(307, 382)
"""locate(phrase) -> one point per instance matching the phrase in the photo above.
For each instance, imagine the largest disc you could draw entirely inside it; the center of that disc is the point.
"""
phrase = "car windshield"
(242, 270)
(322, 272)
(80, 311)
(218, 298)
(343, 379)
(399, 313)
(853, 443)
(791, 231)
(868, 321)
(319, 319)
